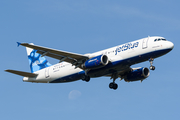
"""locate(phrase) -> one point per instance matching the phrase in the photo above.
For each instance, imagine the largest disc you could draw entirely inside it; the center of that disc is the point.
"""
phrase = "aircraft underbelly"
(106, 70)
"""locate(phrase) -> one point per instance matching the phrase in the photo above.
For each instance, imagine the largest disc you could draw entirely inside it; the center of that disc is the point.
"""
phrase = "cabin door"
(145, 43)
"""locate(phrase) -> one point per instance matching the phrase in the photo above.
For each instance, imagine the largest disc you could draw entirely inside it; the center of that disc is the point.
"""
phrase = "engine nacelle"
(96, 62)
(137, 74)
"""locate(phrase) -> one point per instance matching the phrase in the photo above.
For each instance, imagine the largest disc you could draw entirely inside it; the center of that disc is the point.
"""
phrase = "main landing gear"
(113, 85)
(151, 62)
(85, 78)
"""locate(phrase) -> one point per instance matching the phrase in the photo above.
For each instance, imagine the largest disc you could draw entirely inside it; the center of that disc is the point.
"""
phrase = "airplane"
(114, 62)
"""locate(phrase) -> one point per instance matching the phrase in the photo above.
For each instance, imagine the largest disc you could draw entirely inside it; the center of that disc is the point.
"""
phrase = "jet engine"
(96, 62)
(137, 74)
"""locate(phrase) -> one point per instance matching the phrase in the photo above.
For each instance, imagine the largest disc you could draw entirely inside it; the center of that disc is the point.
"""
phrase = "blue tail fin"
(36, 61)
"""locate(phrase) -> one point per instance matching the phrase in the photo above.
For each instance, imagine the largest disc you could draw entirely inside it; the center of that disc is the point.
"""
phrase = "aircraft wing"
(21, 73)
(73, 58)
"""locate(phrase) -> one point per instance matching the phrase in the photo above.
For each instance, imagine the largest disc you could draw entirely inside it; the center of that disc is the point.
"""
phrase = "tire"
(111, 85)
(115, 86)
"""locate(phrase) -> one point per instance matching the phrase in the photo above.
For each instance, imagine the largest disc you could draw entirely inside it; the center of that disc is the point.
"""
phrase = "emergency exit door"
(47, 72)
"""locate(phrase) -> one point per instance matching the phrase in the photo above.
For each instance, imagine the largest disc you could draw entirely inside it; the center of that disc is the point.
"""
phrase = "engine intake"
(137, 74)
(96, 62)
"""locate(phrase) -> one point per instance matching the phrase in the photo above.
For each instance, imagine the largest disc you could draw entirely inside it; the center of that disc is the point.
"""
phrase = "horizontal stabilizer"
(25, 74)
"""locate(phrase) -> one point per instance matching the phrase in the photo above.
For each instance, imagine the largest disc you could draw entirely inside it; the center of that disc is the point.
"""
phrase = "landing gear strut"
(113, 85)
(151, 62)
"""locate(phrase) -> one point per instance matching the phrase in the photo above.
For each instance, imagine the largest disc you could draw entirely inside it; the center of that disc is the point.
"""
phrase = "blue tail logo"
(36, 61)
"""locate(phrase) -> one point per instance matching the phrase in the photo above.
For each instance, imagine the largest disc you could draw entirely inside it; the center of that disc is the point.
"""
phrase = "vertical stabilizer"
(36, 61)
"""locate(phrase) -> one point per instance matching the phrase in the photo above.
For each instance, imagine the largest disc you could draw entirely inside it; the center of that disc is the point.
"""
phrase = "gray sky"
(85, 26)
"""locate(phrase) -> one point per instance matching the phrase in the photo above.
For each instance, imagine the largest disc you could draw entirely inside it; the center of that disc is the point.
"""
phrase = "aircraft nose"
(170, 45)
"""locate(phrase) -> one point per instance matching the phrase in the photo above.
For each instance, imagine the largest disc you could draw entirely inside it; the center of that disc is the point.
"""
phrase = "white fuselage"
(123, 55)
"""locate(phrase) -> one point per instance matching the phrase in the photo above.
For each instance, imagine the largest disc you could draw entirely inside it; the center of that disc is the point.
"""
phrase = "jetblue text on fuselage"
(126, 47)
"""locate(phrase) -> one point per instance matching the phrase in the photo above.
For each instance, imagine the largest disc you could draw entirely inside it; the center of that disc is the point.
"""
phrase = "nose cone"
(170, 45)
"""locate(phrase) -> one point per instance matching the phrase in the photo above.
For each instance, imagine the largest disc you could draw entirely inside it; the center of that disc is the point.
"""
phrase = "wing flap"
(58, 57)
(21, 73)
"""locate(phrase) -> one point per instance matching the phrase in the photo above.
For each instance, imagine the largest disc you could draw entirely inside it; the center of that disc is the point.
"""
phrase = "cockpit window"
(160, 39)
(164, 39)
(156, 40)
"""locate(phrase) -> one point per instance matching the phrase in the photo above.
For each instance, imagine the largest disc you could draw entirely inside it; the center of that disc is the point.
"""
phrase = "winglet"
(18, 44)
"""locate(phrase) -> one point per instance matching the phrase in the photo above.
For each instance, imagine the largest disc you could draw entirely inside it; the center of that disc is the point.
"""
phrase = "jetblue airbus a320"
(114, 62)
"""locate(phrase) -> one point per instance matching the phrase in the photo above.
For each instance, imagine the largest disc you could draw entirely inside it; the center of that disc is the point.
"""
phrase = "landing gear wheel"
(113, 86)
(152, 67)
(86, 78)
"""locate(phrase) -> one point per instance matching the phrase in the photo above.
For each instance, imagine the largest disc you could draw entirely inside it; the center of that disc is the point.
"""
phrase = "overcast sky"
(87, 26)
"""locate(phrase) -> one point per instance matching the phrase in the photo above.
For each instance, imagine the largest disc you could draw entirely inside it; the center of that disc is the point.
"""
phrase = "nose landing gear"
(151, 62)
